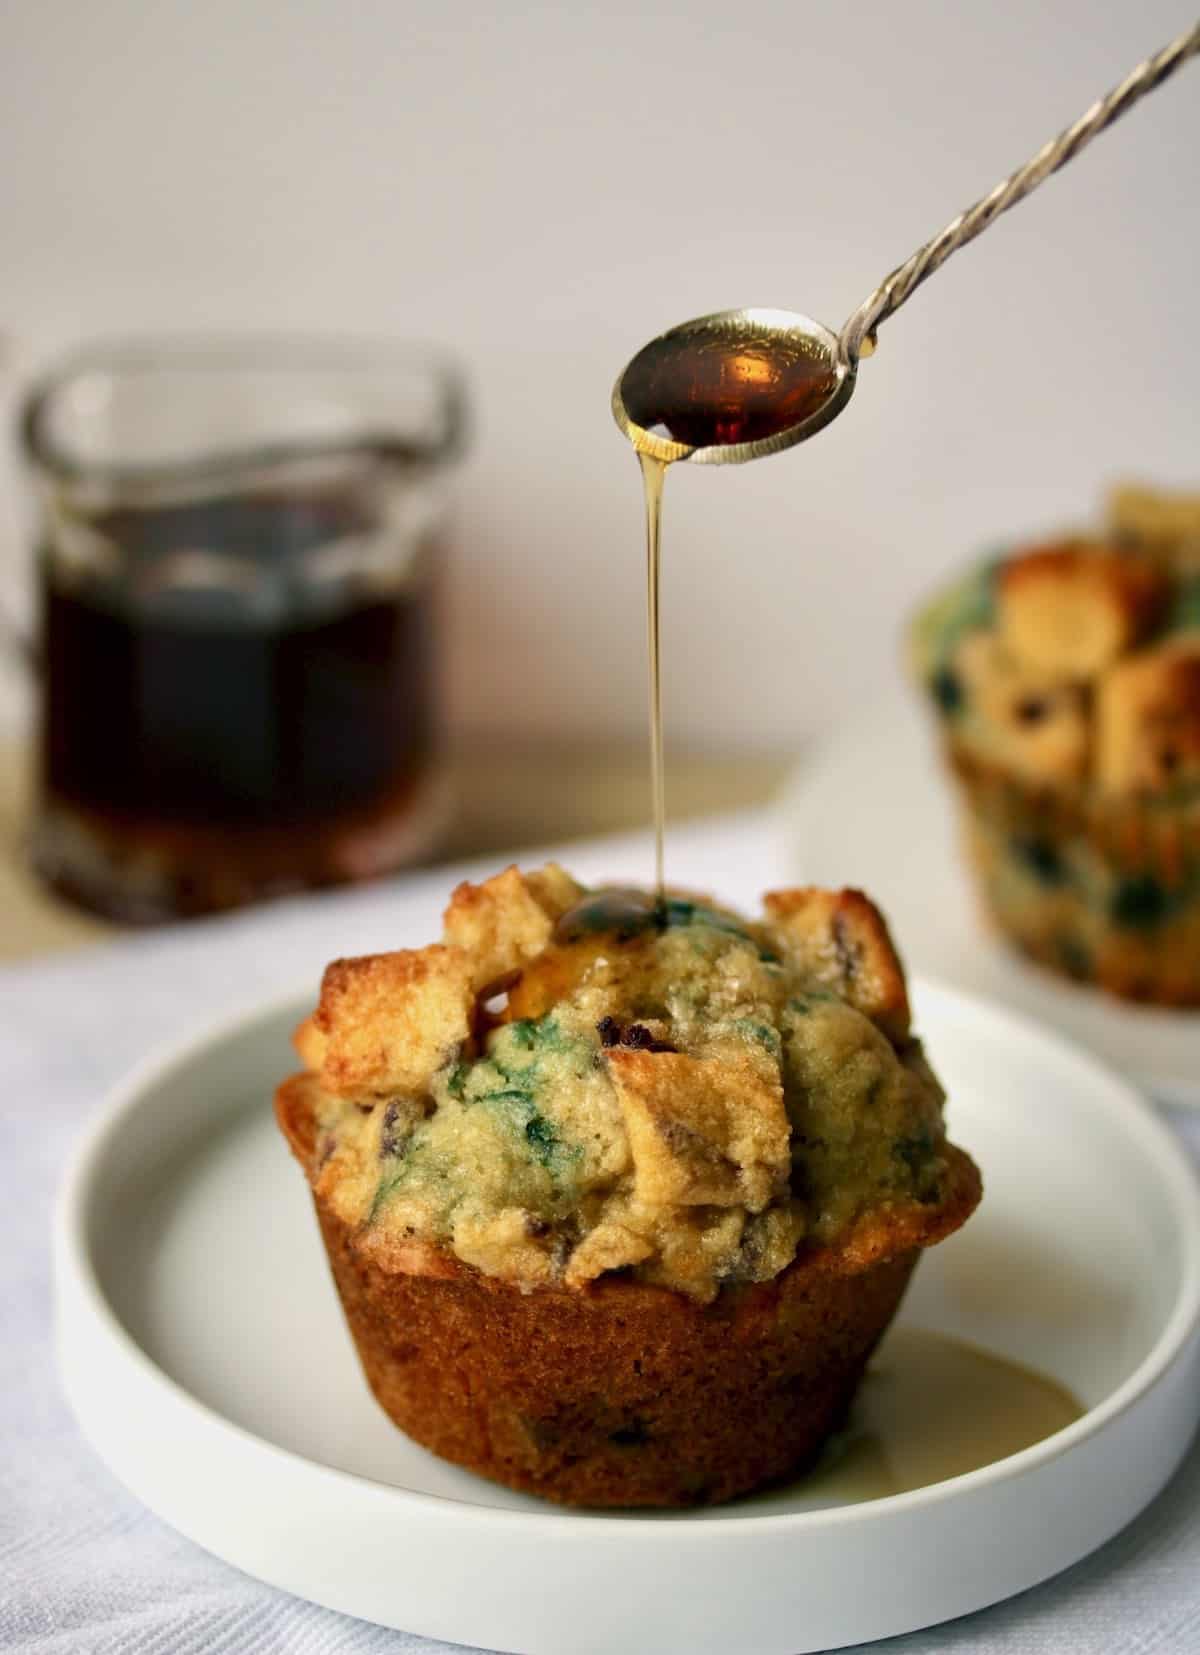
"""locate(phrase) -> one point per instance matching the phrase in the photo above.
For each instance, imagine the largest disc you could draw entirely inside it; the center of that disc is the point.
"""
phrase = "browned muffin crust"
(620, 1193)
(622, 1393)
(1066, 680)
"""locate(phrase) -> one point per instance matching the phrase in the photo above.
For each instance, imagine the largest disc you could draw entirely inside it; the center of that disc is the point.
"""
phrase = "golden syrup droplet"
(620, 910)
(867, 348)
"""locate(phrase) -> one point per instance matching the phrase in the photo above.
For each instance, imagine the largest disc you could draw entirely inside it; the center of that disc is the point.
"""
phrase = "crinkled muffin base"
(1099, 890)
(624, 1394)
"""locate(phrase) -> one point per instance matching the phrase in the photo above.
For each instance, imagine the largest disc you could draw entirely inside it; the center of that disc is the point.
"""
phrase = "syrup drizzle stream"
(653, 473)
(705, 393)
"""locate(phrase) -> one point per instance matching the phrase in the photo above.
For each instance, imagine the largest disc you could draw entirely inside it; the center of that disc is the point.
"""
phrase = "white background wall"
(543, 186)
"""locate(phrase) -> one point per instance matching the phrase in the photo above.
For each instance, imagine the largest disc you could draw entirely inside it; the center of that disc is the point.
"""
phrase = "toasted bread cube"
(507, 920)
(1165, 525)
(389, 1021)
(309, 1042)
(503, 1245)
(841, 939)
(554, 888)
(702, 1132)
(1029, 721)
(610, 1246)
(1148, 719)
(1071, 609)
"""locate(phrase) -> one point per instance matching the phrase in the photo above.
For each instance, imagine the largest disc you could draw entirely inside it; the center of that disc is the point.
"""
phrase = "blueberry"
(1040, 857)
(946, 688)
(393, 1137)
(1141, 902)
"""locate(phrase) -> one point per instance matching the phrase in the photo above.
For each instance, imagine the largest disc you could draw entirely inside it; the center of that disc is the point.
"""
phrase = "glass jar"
(237, 560)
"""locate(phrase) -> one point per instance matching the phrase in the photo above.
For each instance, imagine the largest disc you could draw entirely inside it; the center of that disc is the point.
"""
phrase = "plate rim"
(1113, 1093)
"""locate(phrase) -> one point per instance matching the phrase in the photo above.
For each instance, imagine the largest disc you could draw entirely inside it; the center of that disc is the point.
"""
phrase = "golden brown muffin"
(1066, 680)
(619, 1204)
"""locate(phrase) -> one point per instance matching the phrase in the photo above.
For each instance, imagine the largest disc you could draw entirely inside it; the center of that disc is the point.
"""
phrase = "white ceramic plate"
(875, 808)
(203, 1351)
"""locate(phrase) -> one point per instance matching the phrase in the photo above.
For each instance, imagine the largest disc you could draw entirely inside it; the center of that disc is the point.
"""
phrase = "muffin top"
(574, 1083)
(1077, 663)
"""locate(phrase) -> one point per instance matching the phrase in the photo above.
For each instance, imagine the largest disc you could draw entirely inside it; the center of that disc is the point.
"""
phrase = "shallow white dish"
(875, 808)
(203, 1351)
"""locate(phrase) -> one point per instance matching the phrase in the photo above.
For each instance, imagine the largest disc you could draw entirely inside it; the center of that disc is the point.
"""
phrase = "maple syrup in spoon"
(733, 386)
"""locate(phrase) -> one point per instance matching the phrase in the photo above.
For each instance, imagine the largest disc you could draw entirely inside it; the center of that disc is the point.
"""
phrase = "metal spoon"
(740, 384)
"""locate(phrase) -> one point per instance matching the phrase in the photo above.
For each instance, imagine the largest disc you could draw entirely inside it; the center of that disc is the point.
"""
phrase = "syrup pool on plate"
(930, 1408)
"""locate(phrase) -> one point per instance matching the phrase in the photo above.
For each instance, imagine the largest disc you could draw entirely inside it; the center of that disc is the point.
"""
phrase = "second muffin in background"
(1066, 682)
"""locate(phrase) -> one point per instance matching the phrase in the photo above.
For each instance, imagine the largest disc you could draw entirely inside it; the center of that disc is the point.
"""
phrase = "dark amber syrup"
(621, 911)
(710, 390)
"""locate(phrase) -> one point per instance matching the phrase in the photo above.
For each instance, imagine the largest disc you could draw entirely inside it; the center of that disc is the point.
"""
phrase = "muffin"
(1065, 679)
(619, 1196)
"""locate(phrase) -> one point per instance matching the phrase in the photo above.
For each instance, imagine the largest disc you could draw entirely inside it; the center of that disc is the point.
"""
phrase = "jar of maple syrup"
(237, 566)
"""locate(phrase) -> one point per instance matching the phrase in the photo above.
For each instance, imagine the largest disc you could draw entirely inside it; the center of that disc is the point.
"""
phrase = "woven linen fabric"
(85, 1569)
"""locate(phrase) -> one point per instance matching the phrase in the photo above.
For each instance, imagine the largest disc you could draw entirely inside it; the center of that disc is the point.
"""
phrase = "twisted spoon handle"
(907, 277)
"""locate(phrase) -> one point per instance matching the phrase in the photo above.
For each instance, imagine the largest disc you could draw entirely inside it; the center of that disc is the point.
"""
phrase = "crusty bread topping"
(1077, 664)
(1164, 525)
(687, 1097)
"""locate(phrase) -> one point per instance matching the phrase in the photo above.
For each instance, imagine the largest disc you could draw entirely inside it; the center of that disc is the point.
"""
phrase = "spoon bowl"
(732, 386)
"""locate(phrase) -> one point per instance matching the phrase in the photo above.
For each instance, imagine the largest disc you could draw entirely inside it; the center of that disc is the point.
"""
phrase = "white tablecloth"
(84, 1568)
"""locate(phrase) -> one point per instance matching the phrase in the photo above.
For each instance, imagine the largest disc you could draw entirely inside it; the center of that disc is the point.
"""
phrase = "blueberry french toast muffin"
(1066, 683)
(619, 1196)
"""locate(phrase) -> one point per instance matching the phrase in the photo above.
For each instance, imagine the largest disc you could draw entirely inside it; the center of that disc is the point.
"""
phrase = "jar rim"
(144, 356)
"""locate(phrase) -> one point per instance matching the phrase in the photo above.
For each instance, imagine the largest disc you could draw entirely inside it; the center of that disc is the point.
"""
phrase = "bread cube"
(703, 1132)
(610, 1246)
(386, 1022)
(842, 941)
(1148, 719)
(508, 919)
(1028, 721)
(1071, 609)
(309, 1042)
(1164, 525)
